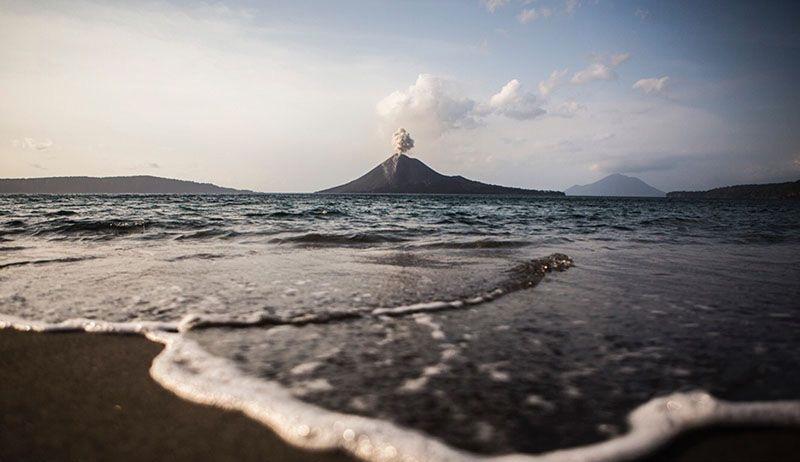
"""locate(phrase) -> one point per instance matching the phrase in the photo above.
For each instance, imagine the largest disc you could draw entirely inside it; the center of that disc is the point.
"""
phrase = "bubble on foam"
(305, 368)
(426, 320)
(310, 386)
(493, 370)
(414, 385)
(86, 325)
(539, 402)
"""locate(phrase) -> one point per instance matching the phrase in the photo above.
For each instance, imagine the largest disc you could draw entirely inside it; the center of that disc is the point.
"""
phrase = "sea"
(405, 327)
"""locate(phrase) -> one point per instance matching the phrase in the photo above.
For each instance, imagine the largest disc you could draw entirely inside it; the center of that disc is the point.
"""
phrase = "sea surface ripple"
(494, 325)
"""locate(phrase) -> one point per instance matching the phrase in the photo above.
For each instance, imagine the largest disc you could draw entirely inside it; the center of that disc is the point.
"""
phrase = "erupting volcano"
(401, 174)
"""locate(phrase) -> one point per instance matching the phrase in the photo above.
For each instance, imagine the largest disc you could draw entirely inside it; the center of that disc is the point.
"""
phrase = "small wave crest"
(61, 213)
(197, 256)
(11, 248)
(330, 239)
(475, 244)
(317, 212)
(207, 234)
(46, 261)
(522, 276)
(93, 227)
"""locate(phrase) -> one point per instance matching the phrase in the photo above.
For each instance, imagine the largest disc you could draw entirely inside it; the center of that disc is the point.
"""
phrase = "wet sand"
(75, 396)
(732, 445)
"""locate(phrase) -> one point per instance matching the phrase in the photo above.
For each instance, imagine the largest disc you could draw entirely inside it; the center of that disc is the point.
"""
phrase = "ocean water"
(432, 326)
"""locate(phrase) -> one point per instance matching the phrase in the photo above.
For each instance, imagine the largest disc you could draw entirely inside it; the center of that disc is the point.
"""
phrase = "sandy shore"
(76, 396)
(732, 445)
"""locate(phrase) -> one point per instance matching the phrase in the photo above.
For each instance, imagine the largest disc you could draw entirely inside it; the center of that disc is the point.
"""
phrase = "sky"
(296, 96)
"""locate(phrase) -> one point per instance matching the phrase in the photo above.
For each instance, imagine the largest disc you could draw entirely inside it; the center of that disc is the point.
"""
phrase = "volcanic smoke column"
(402, 141)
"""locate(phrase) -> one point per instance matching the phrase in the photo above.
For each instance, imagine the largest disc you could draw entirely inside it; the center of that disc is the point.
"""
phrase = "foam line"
(190, 372)
(85, 325)
(522, 276)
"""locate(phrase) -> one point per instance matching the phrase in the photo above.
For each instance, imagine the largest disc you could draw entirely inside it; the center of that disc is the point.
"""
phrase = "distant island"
(789, 190)
(400, 174)
(142, 184)
(616, 185)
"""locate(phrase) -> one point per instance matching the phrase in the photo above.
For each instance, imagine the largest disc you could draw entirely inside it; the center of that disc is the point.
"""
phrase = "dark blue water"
(425, 220)
(664, 296)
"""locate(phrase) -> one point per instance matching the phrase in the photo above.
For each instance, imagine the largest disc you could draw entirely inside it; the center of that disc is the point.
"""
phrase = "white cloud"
(619, 58)
(514, 102)
(567, 109)
(431, 103)
(32, 144)
(571, 5)
(603, 137)
(532, 14)
(433, 106)
(642, 13)
(551, 83)
(654, 85)
(595, 71)
(503, 32)
(601, 69)
(494, 5)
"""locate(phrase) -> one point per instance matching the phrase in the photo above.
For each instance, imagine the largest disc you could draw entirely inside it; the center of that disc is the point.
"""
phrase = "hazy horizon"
(301, 96)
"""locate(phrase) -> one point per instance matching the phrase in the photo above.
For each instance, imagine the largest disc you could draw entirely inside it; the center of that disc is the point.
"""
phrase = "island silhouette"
(400, 174)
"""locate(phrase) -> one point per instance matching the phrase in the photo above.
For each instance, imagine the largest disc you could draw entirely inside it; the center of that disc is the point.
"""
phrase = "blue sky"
(298, 95)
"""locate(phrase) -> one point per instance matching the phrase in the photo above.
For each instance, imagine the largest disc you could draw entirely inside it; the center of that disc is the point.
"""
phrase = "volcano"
(401, 174)
(616, 185)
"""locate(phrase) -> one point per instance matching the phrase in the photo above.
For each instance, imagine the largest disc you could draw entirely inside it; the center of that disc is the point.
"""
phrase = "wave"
(61, 213)
(475, 244)
(327, 239)
(198, 256)
(192, 373)
(315, 212)
(522, 276)
(46, 261)
(15, 224)
(208, 233)
(94, 227)
(12, 248)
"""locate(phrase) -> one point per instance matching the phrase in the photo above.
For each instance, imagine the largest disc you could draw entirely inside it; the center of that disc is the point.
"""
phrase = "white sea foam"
(192, 373)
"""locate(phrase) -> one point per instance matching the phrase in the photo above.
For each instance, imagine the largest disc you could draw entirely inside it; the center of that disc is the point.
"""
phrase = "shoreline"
(76, 395)
(82, 396)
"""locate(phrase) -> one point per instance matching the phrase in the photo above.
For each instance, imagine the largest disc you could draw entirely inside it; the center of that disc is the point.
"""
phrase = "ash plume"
(402, 141)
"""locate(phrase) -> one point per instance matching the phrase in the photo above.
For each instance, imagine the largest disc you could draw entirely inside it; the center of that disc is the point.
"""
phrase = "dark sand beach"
(75, 396)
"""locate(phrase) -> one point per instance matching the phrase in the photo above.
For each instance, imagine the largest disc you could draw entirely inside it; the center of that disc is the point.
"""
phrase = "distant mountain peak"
(137, 184)
(616, 184)
(401, 174)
